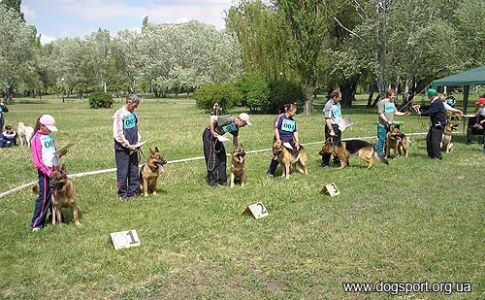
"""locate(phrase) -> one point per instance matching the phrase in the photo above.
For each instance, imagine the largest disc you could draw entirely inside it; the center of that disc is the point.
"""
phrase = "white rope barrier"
(98, 172)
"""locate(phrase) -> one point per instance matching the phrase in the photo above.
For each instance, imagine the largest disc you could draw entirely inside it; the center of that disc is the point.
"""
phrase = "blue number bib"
(288, 125)
(336, 112)
(129, 121)
(231, 127)
(389, 107)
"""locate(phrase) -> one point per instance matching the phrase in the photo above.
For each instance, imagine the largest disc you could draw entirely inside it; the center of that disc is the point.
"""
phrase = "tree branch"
(350, 31)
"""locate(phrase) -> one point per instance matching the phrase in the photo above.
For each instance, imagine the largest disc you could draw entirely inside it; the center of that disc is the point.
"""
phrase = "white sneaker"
(36, 229)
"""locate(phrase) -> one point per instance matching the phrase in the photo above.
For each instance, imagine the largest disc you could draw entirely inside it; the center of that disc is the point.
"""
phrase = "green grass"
(415, 220)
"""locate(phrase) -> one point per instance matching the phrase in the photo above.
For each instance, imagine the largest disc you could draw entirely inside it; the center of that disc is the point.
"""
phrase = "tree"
(308, 23)
(98, 51)
(126, 53)
(17, 58)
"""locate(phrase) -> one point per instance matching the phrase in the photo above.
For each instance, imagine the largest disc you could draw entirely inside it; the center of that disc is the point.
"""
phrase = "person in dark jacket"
(3, 109)
(437, 114)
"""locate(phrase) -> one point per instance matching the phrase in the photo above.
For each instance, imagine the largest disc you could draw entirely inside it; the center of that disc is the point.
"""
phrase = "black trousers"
(215, 159)
(433, 141)
(334, 141)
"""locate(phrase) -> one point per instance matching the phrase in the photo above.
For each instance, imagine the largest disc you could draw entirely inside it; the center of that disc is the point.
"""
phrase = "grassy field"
(413, 221)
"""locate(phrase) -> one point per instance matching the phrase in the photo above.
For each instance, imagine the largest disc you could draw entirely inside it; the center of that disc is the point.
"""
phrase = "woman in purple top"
(285, 131)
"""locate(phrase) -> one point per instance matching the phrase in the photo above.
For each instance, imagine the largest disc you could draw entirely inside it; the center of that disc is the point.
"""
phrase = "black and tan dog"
(398, 142)
(345, 149)
(150, 171)
(238, 166)
(446, 144)
(63, 195)
(287, 159)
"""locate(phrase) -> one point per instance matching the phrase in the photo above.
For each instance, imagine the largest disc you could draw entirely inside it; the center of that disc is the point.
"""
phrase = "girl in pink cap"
(45, 160)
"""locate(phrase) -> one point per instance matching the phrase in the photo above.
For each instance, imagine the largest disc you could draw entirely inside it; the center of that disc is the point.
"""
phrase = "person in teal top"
(386, 109)
(214, 151)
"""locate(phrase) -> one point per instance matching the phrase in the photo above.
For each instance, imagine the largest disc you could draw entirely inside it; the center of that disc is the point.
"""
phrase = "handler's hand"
(407, 113)
(131, 148)
(297, 146)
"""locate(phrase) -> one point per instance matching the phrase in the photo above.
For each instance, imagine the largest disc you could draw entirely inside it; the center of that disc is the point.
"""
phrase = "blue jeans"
(381, 140)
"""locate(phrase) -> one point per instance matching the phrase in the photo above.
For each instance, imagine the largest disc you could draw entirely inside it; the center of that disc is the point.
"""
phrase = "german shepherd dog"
(238, 166)
(345, 149)
(287, 159)
(446, 144)
(452, 123)
(149, 172)
(398, 142)
(63, 195)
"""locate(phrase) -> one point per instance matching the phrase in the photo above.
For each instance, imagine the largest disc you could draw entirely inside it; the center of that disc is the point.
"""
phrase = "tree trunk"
(348, 88)
(309, 92)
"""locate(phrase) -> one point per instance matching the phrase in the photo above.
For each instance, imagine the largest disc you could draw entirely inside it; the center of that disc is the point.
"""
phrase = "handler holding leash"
(333, 117)
(214, 151)
(126, 135)
(285, 131)
(437, 114)
(386, 110)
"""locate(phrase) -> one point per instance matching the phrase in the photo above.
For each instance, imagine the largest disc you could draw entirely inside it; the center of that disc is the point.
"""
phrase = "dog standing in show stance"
(24, 134)
(345, 149)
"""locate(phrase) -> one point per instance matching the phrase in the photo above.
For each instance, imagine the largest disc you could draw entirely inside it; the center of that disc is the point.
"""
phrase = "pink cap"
(49, 122)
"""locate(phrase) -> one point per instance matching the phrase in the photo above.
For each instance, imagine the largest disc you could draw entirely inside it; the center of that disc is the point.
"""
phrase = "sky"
(56, 19)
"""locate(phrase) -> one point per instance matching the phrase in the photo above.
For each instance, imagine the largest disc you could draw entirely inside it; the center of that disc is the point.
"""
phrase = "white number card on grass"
(125, 239)
(257, 210)
(331, 189)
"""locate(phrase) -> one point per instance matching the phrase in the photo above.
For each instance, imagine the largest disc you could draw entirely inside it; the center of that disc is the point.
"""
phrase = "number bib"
(231, 127)
(129, 121)
(288, 125)
(389, 108)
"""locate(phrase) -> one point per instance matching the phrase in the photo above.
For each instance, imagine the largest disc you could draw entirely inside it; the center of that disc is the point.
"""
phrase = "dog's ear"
(151, 151)
(63, 168)
(156, 149)
(240, 145)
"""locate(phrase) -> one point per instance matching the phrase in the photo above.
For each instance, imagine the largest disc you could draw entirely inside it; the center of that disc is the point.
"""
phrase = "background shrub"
(255, 91)
(283, 91)
(100, 100)
(225, 94)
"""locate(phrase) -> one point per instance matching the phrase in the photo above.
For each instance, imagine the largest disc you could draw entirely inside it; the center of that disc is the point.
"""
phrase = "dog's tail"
(35, 189)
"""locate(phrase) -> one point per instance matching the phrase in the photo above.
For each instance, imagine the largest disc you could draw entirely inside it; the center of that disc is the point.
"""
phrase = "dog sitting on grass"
(63, 196)
(398, 142)
(288, 159)
(150, 171)
(238, 166)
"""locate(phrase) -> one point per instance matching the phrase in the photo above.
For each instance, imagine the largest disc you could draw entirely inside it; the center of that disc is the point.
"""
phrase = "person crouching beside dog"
(126, 136)
(285, 131)
(214, 151)
(386, 110)
(9, 135)
(333, 117)
(437, 114)
(46, 161)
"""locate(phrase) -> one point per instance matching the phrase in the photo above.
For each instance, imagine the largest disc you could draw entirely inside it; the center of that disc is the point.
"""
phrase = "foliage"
(282, 92)
(17, 56)
(225, 94)
(255, 91)
(100, 100)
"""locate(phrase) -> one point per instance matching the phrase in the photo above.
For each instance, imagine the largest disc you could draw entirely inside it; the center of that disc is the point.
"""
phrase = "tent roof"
(472, 77)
